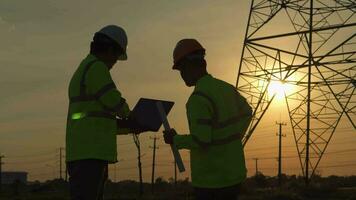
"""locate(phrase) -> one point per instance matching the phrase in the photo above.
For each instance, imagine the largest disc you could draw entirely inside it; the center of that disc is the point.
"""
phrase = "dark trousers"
(87, 179)
(226, 193)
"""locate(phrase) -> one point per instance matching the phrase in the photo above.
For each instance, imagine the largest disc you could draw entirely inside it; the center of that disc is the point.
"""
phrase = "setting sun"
(277, 87)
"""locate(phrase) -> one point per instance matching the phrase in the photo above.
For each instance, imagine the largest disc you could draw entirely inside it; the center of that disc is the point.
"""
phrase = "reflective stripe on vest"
(216, 124)
(214, 121)
(81, 115)
(85, 97)
(94, 97)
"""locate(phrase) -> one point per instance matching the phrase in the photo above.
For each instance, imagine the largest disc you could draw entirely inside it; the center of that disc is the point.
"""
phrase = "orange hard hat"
(185, 47)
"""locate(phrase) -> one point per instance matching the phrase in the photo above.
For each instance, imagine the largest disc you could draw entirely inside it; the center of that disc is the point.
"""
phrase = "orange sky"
(43, 42)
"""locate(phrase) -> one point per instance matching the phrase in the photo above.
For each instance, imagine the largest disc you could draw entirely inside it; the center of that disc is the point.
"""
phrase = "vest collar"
(203, 80)
(91, 57)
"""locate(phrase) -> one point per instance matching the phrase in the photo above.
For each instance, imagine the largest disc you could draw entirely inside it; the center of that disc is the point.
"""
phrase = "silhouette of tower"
(309, 45)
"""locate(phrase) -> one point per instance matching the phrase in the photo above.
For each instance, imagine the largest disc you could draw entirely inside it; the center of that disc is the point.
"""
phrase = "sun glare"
(278, 88)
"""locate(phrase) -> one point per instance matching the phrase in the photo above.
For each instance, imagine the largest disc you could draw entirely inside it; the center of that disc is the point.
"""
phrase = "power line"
(341, 151)
(345, 140)
(344, 165)
(33, 155)
(290, 146)
(269, 147)
(40, 174)
(132, 168)
(322, 167)
(123, 144)
(35, 168)
(32, 161)
(333, 152)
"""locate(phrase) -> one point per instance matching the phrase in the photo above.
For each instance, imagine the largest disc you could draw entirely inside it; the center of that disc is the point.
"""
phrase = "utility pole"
(138, 146)
(256, 165)
(1, 163)
(60, 162)
(280, 135)
(153, 162)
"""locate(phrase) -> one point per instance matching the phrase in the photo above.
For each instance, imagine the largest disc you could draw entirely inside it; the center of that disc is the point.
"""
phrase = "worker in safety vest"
(95, 104)
(218, 117)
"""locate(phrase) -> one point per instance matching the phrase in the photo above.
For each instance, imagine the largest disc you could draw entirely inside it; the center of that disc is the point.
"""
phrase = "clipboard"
(147, 115)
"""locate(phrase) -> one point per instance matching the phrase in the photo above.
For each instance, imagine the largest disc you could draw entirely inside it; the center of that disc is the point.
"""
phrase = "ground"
(258, 187)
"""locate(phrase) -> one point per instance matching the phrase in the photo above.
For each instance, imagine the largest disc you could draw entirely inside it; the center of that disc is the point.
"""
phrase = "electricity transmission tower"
(309, 45)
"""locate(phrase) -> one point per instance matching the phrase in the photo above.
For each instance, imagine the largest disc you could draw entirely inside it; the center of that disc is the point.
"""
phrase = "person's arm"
(200, 114)
(102, 85)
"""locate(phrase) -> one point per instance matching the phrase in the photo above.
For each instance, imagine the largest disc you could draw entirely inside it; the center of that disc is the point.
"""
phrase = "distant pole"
(60, 163)
(280, 135)
(256, 165)
(1, 163)
(138, 146)
(153, 163)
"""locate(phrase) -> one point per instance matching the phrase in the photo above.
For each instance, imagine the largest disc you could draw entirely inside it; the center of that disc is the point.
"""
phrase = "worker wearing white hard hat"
(118, 35)
(95, 104)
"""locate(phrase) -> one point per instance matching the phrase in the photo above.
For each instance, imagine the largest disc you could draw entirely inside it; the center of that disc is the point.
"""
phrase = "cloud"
(17, 11)
(2, 21)
(6, 25)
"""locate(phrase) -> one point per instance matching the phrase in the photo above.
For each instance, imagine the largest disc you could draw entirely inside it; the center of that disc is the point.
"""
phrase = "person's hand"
(132, 125)
(169, 135)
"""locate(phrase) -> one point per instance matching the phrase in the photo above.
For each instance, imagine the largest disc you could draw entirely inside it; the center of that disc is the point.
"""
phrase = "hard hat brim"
(175, 67)
(123, 56)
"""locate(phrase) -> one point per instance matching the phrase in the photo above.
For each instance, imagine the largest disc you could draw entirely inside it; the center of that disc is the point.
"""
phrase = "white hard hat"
(117, 34)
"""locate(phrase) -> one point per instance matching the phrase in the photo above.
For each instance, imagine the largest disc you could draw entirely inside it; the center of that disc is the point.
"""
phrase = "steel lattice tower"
(316, 54)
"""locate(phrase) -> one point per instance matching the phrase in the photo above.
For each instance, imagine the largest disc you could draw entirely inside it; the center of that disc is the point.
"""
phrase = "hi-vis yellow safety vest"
(218, 117)
(94, 103)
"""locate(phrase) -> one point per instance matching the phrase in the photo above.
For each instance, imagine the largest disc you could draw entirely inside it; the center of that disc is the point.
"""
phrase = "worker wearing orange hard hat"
(218, 117)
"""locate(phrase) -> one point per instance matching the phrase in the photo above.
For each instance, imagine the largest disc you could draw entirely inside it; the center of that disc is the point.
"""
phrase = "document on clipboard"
(147, 115)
